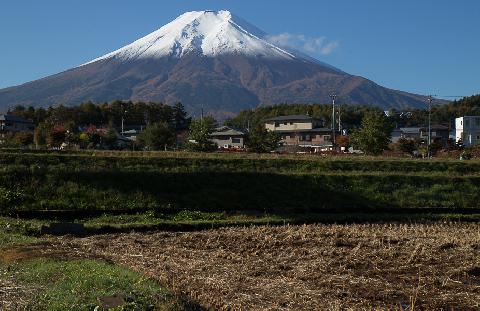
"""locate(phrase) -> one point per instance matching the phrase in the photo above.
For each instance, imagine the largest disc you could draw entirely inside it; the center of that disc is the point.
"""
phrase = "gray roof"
(226, 131)
(300, 117)
(9, 117)
(410, 130)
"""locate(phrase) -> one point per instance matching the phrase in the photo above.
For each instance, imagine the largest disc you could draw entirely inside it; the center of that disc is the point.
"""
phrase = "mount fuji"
(210, 60)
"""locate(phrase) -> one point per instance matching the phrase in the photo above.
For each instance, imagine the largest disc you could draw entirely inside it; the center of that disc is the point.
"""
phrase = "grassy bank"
(172, 182)
(231, 192)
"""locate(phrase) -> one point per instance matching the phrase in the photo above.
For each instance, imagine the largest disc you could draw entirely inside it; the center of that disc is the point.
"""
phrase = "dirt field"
(315, 267)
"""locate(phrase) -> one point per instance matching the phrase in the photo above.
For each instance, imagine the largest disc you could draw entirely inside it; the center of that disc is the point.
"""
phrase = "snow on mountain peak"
(209, 33)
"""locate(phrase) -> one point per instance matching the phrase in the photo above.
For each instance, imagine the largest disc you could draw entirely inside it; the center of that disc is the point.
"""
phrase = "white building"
(467, 130)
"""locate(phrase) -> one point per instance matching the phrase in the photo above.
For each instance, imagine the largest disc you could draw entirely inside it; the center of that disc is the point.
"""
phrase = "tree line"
(352, 115)
(90, 125)
(370, 127)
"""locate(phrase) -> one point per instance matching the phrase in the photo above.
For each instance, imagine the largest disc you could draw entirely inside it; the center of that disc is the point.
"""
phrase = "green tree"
(180, 120)
(157, 136)
(260, 140)
(199, 138)
(374, 135)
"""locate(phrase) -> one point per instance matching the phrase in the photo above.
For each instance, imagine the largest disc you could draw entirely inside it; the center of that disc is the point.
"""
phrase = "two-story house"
(467, 130)
(439, 134)
(228, 138)
(301, 131)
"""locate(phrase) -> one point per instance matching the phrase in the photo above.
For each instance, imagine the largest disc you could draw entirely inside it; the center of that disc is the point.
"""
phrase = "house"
(396, 135)
(411, 132)
(14, 124)
(439, 133)
(132, 131)
(301, 133)
(227, 138)
(10, 124)
(467, 130)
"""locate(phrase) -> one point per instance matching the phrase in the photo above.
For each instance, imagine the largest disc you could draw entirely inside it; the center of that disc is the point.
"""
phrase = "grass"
(167, 182)
(18, 231)
(78, 285)
(230, 192)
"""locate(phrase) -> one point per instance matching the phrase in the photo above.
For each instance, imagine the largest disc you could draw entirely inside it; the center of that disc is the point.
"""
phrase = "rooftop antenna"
(333, 96)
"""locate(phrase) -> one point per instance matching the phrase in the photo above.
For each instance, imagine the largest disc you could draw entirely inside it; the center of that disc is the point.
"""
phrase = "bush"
(157, 136)
(406, 145)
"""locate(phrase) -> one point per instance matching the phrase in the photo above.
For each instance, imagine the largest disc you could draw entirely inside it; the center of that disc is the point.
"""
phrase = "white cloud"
(318, 45)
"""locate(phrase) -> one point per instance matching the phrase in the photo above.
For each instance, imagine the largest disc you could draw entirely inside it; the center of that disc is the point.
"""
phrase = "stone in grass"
(108, 302)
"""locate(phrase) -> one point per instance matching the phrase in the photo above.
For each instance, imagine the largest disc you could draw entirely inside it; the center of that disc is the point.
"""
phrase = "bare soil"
(311, 267)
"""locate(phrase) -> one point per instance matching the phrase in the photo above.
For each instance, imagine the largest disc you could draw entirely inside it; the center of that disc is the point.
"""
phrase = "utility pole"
(123, 117)
(430, 100)
(333, 96)
(339, 120)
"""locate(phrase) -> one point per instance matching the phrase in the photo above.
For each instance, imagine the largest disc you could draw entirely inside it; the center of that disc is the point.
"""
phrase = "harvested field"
(312, 267)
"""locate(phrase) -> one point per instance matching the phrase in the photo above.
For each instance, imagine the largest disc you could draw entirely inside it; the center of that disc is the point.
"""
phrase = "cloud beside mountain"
(312, 45)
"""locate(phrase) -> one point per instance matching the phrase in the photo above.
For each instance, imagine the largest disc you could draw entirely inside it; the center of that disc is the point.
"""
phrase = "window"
(236, 140)
(467, 122)
(285, 123)
(307, 137)
(477, 121)
(276, 124)
(326, 137)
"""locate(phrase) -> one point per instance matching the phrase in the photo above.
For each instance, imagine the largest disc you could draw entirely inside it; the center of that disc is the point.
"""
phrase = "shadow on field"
(32, 190)
(254, 192)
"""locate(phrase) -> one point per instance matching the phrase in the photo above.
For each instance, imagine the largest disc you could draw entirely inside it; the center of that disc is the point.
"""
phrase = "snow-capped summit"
(209, 33)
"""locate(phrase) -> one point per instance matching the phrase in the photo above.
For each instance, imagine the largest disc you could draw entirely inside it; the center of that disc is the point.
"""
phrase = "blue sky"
(417, 46)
